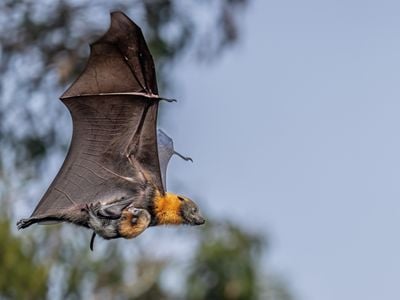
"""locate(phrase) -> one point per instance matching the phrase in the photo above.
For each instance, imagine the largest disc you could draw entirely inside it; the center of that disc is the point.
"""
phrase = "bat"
(113, 179)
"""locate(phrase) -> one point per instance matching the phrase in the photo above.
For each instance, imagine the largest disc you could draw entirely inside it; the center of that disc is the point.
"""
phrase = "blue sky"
(295, 132)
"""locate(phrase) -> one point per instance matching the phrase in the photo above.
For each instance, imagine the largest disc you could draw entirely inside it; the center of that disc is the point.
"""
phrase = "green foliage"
(21, 277)
(225, 265)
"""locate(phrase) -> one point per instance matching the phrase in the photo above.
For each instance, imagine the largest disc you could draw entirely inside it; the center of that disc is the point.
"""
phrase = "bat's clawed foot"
(92, 209)
(99, 210)
(23, 223)
(110, 210)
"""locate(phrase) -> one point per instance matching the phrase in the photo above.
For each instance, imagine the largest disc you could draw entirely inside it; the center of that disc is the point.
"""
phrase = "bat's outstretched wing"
(165, 152)
(113, 103)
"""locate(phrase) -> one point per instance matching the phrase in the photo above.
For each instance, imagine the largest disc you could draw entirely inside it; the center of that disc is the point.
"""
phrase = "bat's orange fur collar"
(167, 209)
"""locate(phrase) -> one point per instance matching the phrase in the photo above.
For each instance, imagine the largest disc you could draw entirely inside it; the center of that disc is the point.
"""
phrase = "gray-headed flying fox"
(113, 178)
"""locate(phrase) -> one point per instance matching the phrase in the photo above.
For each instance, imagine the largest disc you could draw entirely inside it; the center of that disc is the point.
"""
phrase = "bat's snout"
(199, 221)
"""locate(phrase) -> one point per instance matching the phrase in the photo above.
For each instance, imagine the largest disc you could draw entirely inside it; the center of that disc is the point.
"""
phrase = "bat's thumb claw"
(168, 100)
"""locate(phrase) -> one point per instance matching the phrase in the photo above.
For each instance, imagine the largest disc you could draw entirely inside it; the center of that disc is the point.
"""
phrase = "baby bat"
(113, 177)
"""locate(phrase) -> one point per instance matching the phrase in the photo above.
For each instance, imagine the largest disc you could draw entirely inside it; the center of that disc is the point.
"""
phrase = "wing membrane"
(114, 107)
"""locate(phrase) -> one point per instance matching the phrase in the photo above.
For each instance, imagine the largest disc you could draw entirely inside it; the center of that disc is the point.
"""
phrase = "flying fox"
(113, 179)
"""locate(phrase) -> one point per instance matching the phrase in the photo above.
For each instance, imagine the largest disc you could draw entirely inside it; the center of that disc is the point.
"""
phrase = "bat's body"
(112, 178)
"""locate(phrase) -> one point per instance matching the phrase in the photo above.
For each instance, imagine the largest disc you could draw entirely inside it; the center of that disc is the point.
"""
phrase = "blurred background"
(290, 112)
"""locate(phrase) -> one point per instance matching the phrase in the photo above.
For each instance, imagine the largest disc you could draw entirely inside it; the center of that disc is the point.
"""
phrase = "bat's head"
(176, 209)
(190, 212)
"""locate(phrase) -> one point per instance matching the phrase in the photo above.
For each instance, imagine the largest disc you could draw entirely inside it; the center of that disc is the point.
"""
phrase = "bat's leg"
(23, 223)
(133, 222)
(183, 157)
(105, 227)
(111, 210)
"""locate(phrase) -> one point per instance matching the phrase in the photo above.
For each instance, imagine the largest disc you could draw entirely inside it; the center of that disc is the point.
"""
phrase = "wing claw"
(186, 158)
(168, 99)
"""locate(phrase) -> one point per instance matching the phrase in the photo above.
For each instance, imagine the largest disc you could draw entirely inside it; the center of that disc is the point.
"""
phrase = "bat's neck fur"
(167, 209)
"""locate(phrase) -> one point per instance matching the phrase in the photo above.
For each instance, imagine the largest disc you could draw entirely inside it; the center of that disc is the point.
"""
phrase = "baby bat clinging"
(113, 178)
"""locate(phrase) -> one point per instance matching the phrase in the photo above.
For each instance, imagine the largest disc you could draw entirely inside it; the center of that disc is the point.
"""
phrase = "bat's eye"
(180, 198)
(194, 210)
